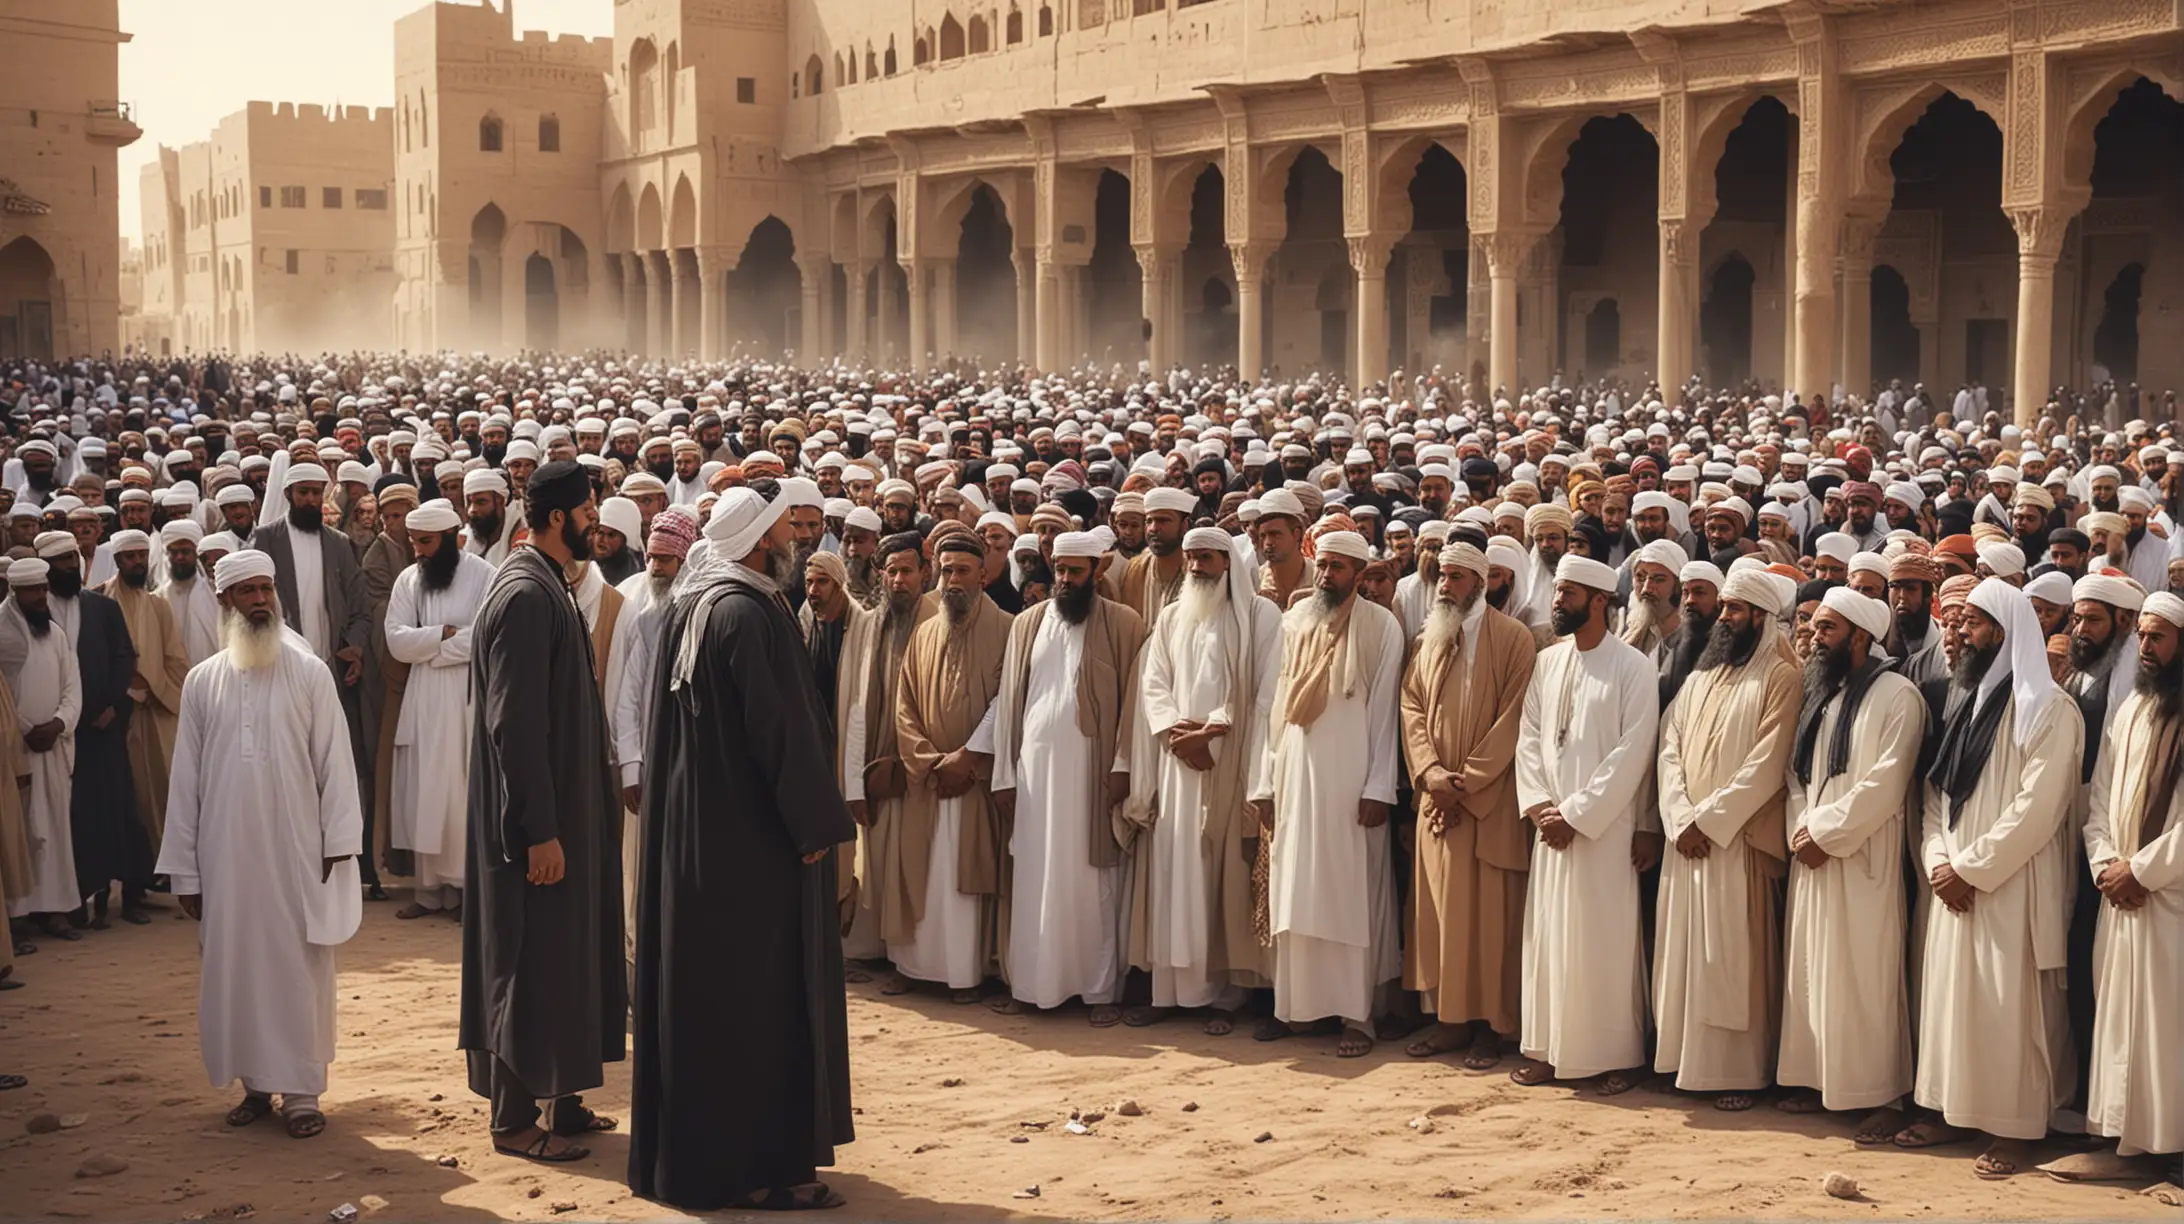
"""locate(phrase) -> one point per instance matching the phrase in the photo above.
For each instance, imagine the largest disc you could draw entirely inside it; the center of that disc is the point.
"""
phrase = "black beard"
(1075, 602)
(2086, 654)
(41, 481)
(40, 620)
(1825, 671)
(136, 578)
(438, 570)
(577, 542)
(486, 528)
(494, 454)
(305, 519)
(1329, 600)
(1726, 644)
(2135, 536)
(665, 471)
(1496, 597)
(2164, 686)
(1972, 663)
(2108, 505)
(242, 533)
(66, 583)
(181, 571)
(1160, 547)
(1568, 621)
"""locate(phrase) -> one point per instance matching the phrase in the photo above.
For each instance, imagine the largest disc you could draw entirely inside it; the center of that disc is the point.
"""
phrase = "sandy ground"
(959, 1112)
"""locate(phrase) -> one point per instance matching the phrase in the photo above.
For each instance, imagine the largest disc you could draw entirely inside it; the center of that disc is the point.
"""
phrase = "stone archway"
(1311, 253)
(2116, 336)
(1611, 244)
(1209, 332)
(765, 290)
(29, 293)
(1115, 282)
(488, 232)
(1725, 322)
(541, 304)
(985, 280)
(1895, 338)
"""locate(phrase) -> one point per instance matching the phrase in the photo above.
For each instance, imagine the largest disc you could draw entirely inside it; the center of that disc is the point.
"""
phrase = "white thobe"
(496, 552)
(432, 732)
(636, 639)
(196, 615)
(309, 549)
(41, 672)
(1184, 675)
(682, 492)
(949, 938)
(99, 566)
(1414, 598)
(2148, 564)
(1330, 887)
(1064, 913)
(1586, 746)
(264, 791)
(1994, 1036)
(2135, 1094)
(1846, 1029)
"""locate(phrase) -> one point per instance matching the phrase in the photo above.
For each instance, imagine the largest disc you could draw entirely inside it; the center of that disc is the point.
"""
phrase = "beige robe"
(1466, 917)
(161, 665)
(865, 700)
(384, 561)
(15, 862)
(1143, 591)
(1717, 964)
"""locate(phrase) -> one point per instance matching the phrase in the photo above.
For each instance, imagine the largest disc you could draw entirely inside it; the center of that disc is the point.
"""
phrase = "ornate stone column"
(2040, 230)
(1679, 303)
(883, 311)
(816, 273)
(659, 307)
(1157, 271)
(1027, 304)
(853, 317)
(714, 264)
(1250, 260)
(919, 274)
(1855, 260)
(1369, 260)
(943, 273)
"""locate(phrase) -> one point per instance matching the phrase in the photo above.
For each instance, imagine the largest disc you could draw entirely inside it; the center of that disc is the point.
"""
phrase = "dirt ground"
(961, 1112)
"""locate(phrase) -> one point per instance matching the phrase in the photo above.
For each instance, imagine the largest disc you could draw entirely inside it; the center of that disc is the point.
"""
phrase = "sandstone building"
(60, 130)
(1810, 194)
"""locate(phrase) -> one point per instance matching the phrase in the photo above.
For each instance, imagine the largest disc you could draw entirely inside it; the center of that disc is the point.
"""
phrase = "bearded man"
(1152, 578)
(1698, 589)
(188, 591)
(2134, 842)
(1914, 640)
(941, 876)
(429, 616)
(1416, 591)
(380, 704)
(1717, 968)
(1207, 681)
(1068, 690)
(860, 553)
(1324, 792)
(1653, 615)
(1462, 703)
(872, 778)
(40, 668)
(156, 687)
(1994, 1033)
(485, 501)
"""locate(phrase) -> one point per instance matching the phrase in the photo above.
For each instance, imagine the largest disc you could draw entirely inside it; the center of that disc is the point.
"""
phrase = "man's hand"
(1645, 850)
(546, 866)
(861, 812)
(953, 775)
(1263, 810)
(1445, 789)
(1807, 850)
(1192, 743)
(353, 657)
(2120, 886)
(326, 866)
(1951, 889)
(1372, 813)
(104, 720)
(630, 796)
(1553, 829)
(41, 737)
(1004, 804)
(193, 904)
(1693, 843)
(448, 631)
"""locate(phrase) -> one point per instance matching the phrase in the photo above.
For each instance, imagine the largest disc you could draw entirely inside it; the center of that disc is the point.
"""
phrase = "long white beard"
(248, 645)
(1201, 598)
(1644, 629)
(1444, 626)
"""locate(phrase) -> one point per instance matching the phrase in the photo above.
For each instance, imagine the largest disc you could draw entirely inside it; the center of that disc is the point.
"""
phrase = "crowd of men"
(1825, 753)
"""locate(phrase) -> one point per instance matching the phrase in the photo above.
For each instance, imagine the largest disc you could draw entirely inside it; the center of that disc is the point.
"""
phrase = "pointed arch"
(951, 37)
(682, 227)
(621, 221)
(651, 220)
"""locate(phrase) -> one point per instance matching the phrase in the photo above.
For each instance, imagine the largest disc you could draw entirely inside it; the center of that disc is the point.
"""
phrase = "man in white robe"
(485, 502)
(1846, 1028)
(1328, 780)
(1060, 768)
(1994, 1034)
(1416, 591)
(2134, 839)
(39, 664)
(1206, 686)
(429, 613)
(263, 830)
(1725, 739)
(188, 590)
(1584, 763)
(647, 596)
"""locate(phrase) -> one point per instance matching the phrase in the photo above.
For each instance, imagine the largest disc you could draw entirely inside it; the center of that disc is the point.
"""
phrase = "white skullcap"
(237, 494)
(435, 515)
(2002, 558)
(219, 541)
(622, 515)
(1653, 499)
(1757, 588)
(1175, 500)
(740, 519)
(2115, 590)
(2052, 587)
(1667, 554)
(54, 543)
(1734, 505)
(1461, 555)
(484, 480)
(1205, 539)
(1077, 544)
(640, 484)
(865, 518)
(303, 474)
(2163, 604)
(131, 540)
(2135, 497)
(1837, 545)
(1701, 571)
(181, 529)
(1863, 611)
(1433, 529)
(1586, 572)
(994, 518)
(1505, 553)
(241, 567)
(1282, 502)
(1509, 510)
(1904, 491)
(1346, 544)
(28, 572)
(1869, 563)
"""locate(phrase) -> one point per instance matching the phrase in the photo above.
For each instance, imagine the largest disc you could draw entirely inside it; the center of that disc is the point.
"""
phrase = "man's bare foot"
(1106, 1015)
(1006, 1005)
(1879, 1128)
(897, 984)
(1145, 1017)
(1735, 1102)
(1444, 1038)
(1486, 1051)
(2003, 1158)
(1220, 1023)
(1531, 1073)
(1806, 1101)
(1355, 1043)
(1932, 1132)
(1271, 1029)
(1615, 1083)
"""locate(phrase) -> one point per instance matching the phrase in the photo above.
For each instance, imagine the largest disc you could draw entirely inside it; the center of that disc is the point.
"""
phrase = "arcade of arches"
(1816, 229)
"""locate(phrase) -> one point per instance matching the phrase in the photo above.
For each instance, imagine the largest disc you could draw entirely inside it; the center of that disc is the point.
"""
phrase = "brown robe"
(162, 664)
(1142, 589)
(1466, 919)
(950, 674)
(1284, 593)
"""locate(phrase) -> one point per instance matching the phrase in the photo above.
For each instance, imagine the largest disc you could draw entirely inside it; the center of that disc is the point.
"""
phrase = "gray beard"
(249, 646)
(1445, 623)
(1645, 628)
(1201, 598)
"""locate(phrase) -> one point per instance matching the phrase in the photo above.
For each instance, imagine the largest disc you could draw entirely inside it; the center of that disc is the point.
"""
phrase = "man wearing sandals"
(263, 830)
(1994, 1034)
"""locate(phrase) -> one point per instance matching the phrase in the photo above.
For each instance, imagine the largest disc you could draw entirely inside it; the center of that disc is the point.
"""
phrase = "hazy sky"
(194, 62)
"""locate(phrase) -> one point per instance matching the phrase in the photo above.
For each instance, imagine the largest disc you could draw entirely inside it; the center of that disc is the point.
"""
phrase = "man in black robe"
(740, 1082)
(109, 841)
(543, 993)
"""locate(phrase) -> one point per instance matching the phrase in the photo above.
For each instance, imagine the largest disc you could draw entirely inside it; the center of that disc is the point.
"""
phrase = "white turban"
(1734, 505)
(303, 474)
(1863, 611)
(28, 572)
(618, 514)
(131, 540)
(741, 518)
(1701, 571)
(1757, 588)
(1907, 493)
(1207, 539)
(241, 567)
(1837, 545)
(2161, 603)
(1508, 554)
(432, 516)
(181, 529)
(1586, 572)
(1282, 502)
(2135, 497)
(54, 543)
(1346, 544)
(1869, 563)
(865, 518)
(2004, 559)
(219, 541)
(1077, 544)
(1175, 500)
(237, 494)
(1464, 556)
(2052, 587)
(483, 480)
(1667, 554)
